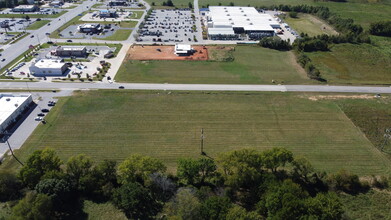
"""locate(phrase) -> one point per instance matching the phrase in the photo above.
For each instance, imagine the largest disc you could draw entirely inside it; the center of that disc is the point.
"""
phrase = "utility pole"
(202, 141)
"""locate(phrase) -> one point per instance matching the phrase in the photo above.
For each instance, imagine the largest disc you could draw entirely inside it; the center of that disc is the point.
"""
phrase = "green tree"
(325, 206)
(184, 205)
(78, 169)
(302, 168)
(241, 168)
(170, 3)
(33, 206)
(10, 186)
(190, 5)
(276, 157)
(240, 213)
(195, 172)
(37, 165)
(215, 208)
(136, 201)
(285, 201)
(139, 168)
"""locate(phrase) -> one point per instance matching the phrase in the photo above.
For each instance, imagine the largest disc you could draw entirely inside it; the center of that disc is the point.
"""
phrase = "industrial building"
(48, 67)
(56, 3)
(90, 28)
(26, 8)
(12, 106)
(110, 13)
(71, 51)
(183, 50)
(228, 23)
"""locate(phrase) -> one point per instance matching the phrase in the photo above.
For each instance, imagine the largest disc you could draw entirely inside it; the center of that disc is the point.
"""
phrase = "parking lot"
(43, 11)
(72, 32)
(17, 24)
(168, 26)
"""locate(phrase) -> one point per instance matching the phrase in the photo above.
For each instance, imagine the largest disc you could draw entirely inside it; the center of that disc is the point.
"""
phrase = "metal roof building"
(12, 106)
(240, 20)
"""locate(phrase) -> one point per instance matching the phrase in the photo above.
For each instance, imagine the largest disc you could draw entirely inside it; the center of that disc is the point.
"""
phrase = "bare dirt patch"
(139, 52)
(334, 97)
(293, 62)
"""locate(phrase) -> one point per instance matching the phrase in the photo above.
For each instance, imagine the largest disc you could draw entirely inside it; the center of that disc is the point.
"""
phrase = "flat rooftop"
(71, 48)
(48, 63)
(9, 103)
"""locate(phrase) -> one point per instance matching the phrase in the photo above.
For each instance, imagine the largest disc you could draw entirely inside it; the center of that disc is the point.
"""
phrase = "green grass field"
(119, 35)
(33, 15)
(306, 23)
(354, 64)
(38, 24)
(252, 65)
(136, 14)
(166, 125)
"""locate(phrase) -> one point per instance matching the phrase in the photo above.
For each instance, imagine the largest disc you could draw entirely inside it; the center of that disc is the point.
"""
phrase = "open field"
(166, 125)
(33, 15)
(354, 64)
(252, 65)
(372, 116)
(306, 23)
(137, 52)
(38, 24)
(372, 205)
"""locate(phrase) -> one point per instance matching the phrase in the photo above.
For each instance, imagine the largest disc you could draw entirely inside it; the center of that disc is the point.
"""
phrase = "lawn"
(354, 64)
(119, 35)
(38, 24)
(33, 15)
(306, 23)
(113, 124)
(252, 65)
(136, 14)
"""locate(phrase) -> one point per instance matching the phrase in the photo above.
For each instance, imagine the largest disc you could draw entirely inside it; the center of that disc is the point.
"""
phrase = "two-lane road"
(197, 87)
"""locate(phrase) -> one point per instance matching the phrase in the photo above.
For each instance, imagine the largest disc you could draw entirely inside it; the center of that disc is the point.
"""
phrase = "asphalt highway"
(196, 87)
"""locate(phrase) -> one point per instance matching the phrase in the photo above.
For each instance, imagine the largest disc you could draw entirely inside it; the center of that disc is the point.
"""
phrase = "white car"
(39, 118)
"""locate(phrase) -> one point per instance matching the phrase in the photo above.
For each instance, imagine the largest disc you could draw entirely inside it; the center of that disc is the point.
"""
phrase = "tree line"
(241, 184)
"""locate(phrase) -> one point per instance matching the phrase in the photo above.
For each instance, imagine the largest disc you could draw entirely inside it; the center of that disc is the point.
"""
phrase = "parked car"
(41, 114)
(38, 118)
(121, 87)
(2, 60)
(70, 41)
(45, 110)
(32, 36)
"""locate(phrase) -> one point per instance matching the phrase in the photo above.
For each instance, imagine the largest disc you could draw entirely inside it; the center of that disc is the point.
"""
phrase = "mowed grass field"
(355, 64)
(309, 24)
(252, 65)
(167, 125)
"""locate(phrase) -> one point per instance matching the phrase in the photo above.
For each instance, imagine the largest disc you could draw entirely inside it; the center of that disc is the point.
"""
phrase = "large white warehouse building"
(225, 23)
(12, 106)
(48, 67)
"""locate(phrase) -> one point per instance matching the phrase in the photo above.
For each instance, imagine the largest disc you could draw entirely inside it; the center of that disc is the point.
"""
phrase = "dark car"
(45, 110)
(70, 41)
(121, 87)
(48, 24)
(41, 114)
(32, 36)
(2, 60)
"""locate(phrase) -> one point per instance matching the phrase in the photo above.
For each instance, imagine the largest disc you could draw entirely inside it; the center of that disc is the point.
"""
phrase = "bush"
(293, 14)
(382, 28)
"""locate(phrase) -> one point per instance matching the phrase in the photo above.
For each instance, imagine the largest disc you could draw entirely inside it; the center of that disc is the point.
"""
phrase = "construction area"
(139, 52)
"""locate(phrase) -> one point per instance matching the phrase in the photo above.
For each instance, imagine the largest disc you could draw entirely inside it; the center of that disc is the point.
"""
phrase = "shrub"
(293, 14)
(381, 28)
(275, 43)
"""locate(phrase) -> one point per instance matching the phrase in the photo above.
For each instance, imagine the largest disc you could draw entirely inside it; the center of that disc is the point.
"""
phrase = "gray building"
(71, 51)
(89, 28)
(26, 8)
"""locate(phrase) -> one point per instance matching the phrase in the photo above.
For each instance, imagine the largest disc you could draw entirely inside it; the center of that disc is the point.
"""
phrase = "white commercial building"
(26, 8)
(48, 67)
(183, 49)
(12, 106)
(226, 23)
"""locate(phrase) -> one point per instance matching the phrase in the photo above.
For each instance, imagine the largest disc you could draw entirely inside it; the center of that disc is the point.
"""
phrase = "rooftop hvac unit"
(244, 15)
(248, 19)
(230, 19)
(251, 24)
(16, 105)
(228, 15)
(8, 99)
